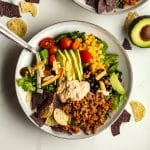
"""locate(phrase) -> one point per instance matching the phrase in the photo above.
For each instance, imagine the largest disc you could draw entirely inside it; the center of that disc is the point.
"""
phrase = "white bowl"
(25, 59)
(83, 4)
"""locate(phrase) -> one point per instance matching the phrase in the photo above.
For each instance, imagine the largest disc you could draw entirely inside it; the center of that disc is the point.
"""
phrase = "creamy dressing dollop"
(73, 90)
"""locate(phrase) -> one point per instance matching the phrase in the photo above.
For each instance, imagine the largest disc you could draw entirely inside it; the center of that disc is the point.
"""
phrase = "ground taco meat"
(90, 112)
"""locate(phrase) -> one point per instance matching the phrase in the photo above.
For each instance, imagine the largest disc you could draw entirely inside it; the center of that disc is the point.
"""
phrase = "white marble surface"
(18, 133)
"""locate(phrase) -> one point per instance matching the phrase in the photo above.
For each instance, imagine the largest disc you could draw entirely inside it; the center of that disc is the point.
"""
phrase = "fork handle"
(12, 36)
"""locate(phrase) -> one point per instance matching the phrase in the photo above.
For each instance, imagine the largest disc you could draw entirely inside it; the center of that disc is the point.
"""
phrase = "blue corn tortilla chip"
(57, 103)
(111, 4)
(92, 3)
(9, 10)
(46, 102)
(37, 100)
(101, 6)
(33, 1)
(37, 119)
(60, 128)
(125, 116)
(109, 8)
(115, 127)
(126, 44)
(40, 100)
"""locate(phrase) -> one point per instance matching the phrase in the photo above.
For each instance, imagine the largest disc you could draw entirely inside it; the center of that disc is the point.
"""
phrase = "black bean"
(105, 77)
(87, 72)
(99, 71)
(89, 80)
(92, 76)
(92, 84)
(89, 68)
(108, 87)
(53, 72)
(24, 71)
(93, 79)
(97, 86)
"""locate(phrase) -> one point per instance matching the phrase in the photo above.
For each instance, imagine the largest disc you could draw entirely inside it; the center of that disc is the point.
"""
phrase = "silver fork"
(12, 36)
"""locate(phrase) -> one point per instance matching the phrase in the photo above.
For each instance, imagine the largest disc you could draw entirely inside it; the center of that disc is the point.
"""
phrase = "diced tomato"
(52, 58)
(53, 49)
(75, 44)
(86, 57)
(66, 43)
(47, 72)
(47, 42)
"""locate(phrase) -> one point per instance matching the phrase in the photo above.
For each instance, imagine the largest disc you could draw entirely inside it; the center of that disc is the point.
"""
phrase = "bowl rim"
(128, 64)
(123, 11)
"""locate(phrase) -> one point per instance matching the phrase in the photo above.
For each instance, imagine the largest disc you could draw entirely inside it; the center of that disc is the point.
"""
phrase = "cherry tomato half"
(75, 45)
(52, 58)
(86, 57)
(66, 43)
(47, 42)
(53, 49)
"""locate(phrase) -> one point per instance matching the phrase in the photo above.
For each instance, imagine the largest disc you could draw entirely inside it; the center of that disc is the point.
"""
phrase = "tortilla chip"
(61, 117)
(125, 116)
(50, 121)
(33, 1)
(115, 127)
(9, 10)
(138, 110)
(131, 16)
(18, 26)
(47, 111)
(37, 119)
(27, 7)
(126, 44)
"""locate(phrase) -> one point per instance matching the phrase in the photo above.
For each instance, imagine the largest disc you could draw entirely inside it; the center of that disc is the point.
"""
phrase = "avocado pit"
(145, 33)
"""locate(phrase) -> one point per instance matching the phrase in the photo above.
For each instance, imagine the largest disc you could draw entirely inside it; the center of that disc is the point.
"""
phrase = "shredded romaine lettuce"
(118, 99)
(113, 67)
(44, 55)
(111, 58)
(50, 88)
(105, 47)
(26, 83)
(76, 34)
(73, 35)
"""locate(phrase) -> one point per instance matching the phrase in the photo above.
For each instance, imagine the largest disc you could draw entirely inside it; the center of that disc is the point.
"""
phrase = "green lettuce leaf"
(26, 83)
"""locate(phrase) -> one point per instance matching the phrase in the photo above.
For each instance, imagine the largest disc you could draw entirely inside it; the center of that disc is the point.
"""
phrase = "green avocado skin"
(133, 24)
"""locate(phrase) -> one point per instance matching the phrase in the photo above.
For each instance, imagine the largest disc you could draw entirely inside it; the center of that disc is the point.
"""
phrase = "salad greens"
(72, 74)
(33, 80)
(27, 83)
(119, 98)
(44, 55)
(73, 35)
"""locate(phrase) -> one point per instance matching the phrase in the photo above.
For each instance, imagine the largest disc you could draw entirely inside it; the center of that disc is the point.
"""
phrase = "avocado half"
(139, 31)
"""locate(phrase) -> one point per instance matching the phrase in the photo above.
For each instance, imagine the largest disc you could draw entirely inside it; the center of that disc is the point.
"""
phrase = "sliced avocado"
(69, 66)
(139, 31)
(79, 61)
(60, 57)
(75, 65)
(116, 84)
